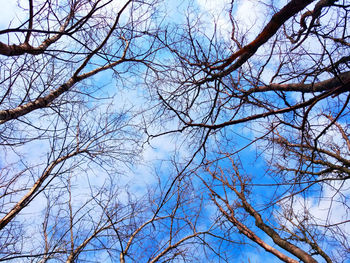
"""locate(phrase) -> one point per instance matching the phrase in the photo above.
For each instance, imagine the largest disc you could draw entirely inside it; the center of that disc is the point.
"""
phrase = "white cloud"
(11, 14)
(216, 13)
(213, 7)
(327, 208)
(327, 212)
(248, 14)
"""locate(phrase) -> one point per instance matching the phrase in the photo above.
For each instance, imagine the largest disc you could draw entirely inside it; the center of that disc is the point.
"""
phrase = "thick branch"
(35, 188)
(10, 114)
(248, 232)
(6, 115)
(277, 20)
(26, 48)
(296, 251)
(326, 85)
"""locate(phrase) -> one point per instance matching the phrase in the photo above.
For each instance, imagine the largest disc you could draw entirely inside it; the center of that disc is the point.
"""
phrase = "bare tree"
(284, 90)
(233, 182)
(279, 86)
(54, 123)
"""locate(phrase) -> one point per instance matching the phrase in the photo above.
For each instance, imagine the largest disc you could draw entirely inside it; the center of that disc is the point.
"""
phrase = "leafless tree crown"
(155, 131)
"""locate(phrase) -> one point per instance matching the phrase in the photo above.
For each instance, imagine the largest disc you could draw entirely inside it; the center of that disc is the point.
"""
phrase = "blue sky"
(157, 156)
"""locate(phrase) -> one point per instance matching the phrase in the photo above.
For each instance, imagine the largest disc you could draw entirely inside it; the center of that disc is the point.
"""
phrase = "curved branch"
(26, 48)
(311, 101)
(277, 20)
(6, 115)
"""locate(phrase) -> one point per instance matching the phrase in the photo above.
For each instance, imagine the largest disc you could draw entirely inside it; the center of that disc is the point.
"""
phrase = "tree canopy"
(175, 131)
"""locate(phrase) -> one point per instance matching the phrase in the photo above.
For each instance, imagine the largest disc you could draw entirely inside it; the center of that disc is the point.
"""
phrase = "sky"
(248, 14)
